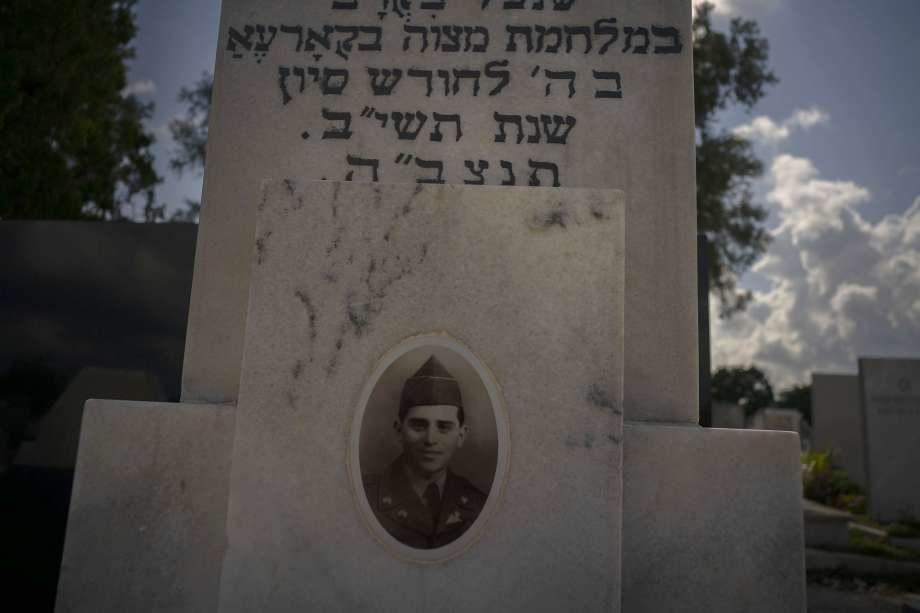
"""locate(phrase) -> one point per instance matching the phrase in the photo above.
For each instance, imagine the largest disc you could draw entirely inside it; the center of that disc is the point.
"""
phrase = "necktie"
(433, 501)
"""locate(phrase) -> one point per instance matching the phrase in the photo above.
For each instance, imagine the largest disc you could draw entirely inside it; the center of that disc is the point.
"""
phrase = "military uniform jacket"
(403, 514)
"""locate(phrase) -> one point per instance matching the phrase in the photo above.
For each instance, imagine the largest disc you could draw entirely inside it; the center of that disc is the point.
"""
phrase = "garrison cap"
(431, 384)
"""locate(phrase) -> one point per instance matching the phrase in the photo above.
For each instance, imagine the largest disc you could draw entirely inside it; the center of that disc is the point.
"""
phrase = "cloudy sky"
(840, 140)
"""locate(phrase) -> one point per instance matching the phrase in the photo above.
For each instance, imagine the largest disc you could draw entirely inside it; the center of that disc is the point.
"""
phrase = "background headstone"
(580, 93)
(727, 415)
(837, 424)
(891, 414)
(532, 284)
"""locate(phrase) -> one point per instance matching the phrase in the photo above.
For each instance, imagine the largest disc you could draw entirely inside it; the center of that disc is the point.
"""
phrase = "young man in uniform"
(418, 499)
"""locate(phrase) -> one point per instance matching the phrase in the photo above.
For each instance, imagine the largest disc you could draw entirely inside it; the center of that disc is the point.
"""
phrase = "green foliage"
(747, 387)
(905, 528)
(191, 131)
(72, 145)
(865, 544)
(824, 482)
(797, 397)
(728, 69)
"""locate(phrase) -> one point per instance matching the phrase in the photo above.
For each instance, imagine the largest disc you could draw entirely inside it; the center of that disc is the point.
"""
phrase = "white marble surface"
(531, 281)
(146, 528)
(712, 520)
(643, 142)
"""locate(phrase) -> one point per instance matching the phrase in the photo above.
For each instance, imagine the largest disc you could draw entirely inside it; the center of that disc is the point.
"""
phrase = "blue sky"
(840, 140)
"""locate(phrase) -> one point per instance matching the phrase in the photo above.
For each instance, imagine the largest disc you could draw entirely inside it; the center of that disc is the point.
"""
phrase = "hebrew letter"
(378, 34)
(283, 73)
(479, 47)
(522, 30)
(466, 74)
(502, 120)
(343, 47)
(485, 3)
(513, 4)
(402, 122)
(479, 180)
(431, 164)
(333, 89)
(238, 39)
(674, 34)
(410, 30)
(562, 5)
(294, 30)
(565, 74)
(542, 33)
(436, 136)
(606, 27)
(453, 34)
(342, 132)
(508, 166)
(384, 86)
(493, 73)
(354, 160)
(445, 75)
(422, 74)
(437, 37)
(382, 118)
(534, 180)
(608, 93)
(433, 5)
(344, 5)
(630, 33)
(572, 31)
(264, 45)
(552, 135)
(313, 35)
(535, 137)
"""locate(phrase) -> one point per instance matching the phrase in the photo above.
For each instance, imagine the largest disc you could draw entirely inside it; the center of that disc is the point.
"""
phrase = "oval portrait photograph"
(430, 440)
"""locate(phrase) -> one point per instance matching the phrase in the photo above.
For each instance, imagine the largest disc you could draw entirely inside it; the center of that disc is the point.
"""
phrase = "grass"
(875, 546)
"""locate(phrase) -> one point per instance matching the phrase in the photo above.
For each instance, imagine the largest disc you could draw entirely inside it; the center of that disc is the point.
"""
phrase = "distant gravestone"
(837, 424)
(788, 420)
(891, 414)
(571, 93)
(518, 296)
(727, 415)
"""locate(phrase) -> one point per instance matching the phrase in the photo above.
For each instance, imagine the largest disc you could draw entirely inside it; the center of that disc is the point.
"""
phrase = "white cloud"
(736, 7)
(144, 87)
(762, 129)
(838, 286)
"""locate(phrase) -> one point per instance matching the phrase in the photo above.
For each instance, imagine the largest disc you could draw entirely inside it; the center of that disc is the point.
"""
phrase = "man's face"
(430, 435)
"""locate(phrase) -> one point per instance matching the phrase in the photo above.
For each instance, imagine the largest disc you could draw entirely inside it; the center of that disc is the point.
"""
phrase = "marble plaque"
(891, 417)
(575, 93)
(378, 311)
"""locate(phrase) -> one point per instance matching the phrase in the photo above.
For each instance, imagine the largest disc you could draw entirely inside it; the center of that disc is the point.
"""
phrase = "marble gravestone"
(890, 390)
(571, 93)
(449, 170)
(529, 289)
(837, 424)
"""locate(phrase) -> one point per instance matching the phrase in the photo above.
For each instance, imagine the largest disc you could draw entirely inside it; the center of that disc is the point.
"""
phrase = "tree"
(728, 68)
(797, 397)
(746, 387)
(72, 143)
(191, 136)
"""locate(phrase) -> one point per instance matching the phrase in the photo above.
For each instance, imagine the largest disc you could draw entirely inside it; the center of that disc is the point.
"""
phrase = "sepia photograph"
(428, 447)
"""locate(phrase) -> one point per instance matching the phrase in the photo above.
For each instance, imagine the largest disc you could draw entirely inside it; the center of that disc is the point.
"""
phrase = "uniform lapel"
(456, 510)
(400, 503)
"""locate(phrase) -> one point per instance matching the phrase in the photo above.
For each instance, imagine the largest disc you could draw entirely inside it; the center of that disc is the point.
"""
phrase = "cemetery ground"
(853, 562)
